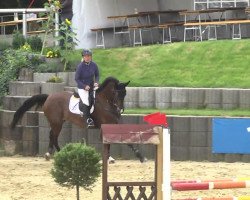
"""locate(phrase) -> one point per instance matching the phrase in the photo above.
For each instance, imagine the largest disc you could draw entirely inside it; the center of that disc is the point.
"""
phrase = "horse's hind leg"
(53, 140)
(56, 145)
(56, 129)
(51, 143)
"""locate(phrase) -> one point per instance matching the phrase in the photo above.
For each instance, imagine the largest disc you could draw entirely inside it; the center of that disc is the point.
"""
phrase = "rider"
(86, 77)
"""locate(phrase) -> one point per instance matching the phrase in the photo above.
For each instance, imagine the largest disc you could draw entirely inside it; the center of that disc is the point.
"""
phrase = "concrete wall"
(191, 136)
(171, 97)
(165, 97)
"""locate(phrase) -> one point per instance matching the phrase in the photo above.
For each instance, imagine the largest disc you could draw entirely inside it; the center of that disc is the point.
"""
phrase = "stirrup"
(90, 122)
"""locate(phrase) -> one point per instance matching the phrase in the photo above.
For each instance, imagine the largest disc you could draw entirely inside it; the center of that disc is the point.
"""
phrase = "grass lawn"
(223, 63)
(207, 64)
(190, 112)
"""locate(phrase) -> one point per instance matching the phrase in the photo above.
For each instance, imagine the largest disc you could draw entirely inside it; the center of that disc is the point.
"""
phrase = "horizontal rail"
(11, 23)
(147, 183)
(219, 198)
(21, 10)
(247, 21)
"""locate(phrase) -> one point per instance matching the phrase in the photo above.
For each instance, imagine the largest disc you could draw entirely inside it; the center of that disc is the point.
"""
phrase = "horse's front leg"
(137, 153)
(111, 160)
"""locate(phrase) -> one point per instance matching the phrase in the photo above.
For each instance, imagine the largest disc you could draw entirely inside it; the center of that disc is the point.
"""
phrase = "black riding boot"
(85, 109)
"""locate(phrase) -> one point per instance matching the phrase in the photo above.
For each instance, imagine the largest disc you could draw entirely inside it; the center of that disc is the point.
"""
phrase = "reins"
(115, 109)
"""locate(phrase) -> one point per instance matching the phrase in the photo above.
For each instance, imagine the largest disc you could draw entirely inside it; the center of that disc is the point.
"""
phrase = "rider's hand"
(87, 87)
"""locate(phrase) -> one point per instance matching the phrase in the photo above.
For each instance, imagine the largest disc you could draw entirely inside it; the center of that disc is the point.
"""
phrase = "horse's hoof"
(111, 160)
(143, 159)
(47, 156)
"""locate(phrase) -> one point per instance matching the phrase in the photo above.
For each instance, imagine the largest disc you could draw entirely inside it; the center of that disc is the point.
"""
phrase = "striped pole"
(210, 185)
(202, 181)
(220, 198)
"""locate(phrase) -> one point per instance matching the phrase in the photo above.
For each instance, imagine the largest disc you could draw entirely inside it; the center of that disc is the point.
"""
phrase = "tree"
(76, 165)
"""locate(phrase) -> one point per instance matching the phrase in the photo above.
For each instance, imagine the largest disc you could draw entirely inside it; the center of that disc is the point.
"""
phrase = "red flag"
(156, 119)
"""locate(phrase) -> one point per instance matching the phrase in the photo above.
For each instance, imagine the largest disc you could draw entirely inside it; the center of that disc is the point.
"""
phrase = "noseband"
(119, 96)
(114, 96)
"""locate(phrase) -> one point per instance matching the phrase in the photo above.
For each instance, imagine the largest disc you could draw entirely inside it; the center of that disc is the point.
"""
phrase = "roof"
(130, 134)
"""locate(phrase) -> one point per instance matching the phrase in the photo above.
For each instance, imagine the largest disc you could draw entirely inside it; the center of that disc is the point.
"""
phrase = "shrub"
(10, 63)
(35, 43)
(18, 40)
(25, 47)
(52, 53)
(55, 79)
(77, 165)
(4, 45)
(45, 68)
(35, 60)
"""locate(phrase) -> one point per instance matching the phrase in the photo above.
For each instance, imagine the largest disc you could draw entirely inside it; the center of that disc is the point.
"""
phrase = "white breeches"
(84, 95)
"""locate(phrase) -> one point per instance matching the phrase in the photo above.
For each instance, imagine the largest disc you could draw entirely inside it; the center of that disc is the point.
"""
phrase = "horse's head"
(114, 93)
(121, 93)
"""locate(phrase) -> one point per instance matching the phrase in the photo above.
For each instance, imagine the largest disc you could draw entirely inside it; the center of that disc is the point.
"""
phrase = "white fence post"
(166, 164)
(24, 24)
(56, 27)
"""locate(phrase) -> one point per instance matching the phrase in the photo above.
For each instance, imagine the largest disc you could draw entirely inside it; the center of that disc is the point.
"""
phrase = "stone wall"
(191, 136)
(171, 97)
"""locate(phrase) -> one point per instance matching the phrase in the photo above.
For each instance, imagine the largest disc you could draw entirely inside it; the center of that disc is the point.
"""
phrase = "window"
(206, 4)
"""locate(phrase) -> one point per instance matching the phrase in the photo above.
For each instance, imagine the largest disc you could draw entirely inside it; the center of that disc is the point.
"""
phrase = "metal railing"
(23, 11)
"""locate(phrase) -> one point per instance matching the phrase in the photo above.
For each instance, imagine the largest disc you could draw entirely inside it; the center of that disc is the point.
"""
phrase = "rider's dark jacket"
(86, 74)
(67, 11)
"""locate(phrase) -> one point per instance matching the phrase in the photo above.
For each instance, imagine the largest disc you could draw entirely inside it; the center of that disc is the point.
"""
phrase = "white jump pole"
(163, 179)
(166, 164)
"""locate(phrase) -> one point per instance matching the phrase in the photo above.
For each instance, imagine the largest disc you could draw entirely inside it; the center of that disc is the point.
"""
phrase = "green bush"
(51, 52)
(18, 40)
(73, 59)
(76, 165)
(35, 43)
(55, 79)
(36, 60)
(44, 68)
(4, 45)
(11, 61)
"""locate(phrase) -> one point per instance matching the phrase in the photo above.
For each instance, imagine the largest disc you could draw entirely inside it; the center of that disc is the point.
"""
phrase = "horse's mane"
(106, 82)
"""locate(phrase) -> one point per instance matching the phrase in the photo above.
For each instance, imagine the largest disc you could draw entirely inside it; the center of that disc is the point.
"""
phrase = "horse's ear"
(125, 84)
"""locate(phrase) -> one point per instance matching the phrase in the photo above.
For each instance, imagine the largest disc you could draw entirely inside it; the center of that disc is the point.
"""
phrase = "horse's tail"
(34, 100)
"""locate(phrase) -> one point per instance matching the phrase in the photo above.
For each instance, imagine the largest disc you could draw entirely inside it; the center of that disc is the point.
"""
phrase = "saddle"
(75, 103)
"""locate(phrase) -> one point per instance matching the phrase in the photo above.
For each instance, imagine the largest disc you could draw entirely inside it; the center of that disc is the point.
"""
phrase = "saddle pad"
(74, 105)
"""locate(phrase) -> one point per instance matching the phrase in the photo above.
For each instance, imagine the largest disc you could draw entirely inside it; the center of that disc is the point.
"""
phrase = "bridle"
(114, 108)
(119, 96)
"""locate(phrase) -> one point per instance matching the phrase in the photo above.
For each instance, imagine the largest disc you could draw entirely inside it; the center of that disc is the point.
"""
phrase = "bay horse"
(108, 107)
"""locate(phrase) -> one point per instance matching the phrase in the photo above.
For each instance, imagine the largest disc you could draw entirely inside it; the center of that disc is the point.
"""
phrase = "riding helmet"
(86, 52)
